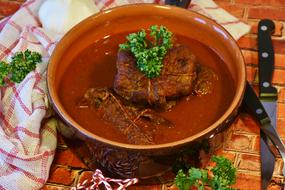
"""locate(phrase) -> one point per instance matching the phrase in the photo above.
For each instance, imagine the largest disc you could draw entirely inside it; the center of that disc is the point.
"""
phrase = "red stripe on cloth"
(39, 89)
(23, 106)
(51, 131)
(49, 46)
(230, 22)
(10, 111)
(24, 43)
(13, 151)
(7, 172)
(34, 158)
(4, 50)
(1, 187)
(107, 3)
(15, 25)
(29, 41)
(27, 3)
(29, 175)
(3, 22)
(48, 129)
(36, 19)
(40, 108)
(26, 131)
(41, 34)
(44, 165)
(157, 1)
(5, 122)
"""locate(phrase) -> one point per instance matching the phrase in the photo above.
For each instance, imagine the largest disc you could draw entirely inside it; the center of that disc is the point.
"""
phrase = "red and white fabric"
(27, 138)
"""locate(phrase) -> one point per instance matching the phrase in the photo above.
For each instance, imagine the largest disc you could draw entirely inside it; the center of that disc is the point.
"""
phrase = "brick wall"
(240, 142)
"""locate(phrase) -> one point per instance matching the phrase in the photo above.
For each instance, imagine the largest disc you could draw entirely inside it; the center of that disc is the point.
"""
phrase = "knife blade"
(267, 95)
(256, 108)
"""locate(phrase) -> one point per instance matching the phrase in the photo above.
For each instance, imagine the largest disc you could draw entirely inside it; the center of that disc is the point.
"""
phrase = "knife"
(255, 107)
(267, 95)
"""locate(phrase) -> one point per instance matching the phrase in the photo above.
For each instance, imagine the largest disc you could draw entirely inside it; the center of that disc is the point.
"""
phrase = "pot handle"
(178, 3)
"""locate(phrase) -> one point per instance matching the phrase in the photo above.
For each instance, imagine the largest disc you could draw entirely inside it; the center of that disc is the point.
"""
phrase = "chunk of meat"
(138, 125)
(204, 82)
(176, 78)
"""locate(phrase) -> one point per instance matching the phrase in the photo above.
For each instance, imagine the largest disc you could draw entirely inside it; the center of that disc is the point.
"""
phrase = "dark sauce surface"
(96, 67)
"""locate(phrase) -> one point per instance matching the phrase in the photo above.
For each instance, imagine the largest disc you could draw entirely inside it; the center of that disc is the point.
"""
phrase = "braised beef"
(137, 124)
(176, 78)
(204, 82)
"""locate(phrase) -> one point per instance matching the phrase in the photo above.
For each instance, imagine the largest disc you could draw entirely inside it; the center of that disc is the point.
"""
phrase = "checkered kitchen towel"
(27, 137)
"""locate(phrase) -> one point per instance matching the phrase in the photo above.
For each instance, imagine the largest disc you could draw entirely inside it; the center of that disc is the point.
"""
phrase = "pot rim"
(235, 104)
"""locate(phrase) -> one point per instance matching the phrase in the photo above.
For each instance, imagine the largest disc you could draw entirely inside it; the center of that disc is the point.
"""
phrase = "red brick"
(68, 158)
(251, 58)
(281, 111)
(246, 181)
(85, 175)
(278, 27)
(278, 167)
(246, 124)
(279, 46)
(54, 187)
(249, 162)
(275, 13)
(227, 154)
(239, 143)
(62, 175)
(256, 143)
(251, 73)
(235, 10)
(262, 2)
(281, 95)
(281, 127)
(278, 77)
(8, 8)
(250, 42)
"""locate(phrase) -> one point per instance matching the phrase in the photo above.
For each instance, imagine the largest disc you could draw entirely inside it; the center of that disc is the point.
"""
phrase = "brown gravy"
(96, 67)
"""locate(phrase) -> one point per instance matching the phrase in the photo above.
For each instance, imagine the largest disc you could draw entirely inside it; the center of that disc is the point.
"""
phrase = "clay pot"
(126, 160)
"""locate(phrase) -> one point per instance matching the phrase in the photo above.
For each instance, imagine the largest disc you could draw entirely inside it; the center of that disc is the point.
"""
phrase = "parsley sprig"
(223, 175)
(21, 64)
(149, 51)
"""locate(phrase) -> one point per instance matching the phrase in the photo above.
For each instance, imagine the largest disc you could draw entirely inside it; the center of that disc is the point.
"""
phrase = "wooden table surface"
(240, 142)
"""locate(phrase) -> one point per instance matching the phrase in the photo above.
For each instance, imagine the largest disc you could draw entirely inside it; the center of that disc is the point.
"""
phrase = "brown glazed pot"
(143, 161)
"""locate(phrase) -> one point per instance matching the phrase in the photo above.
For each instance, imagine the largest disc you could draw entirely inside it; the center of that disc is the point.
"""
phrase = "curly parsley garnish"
(149, 52)
(223, 175)
(22, 63)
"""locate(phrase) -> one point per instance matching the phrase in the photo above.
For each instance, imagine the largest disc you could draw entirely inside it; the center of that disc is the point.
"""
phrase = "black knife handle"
(254, 105)
(178, 3)
(266, 59)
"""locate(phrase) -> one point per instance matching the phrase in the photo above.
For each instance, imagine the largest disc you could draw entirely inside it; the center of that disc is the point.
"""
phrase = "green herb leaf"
(22, 63)
(4, 71)
(224, 173)
(224, 176)
(182, 181)
(149, 52)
